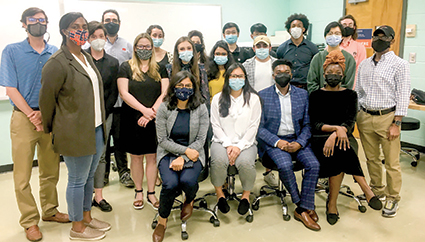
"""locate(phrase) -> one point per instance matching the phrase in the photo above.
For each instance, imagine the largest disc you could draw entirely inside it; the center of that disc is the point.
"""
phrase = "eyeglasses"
(242, 76)
(384, 38)
(35, 20)
(188, 86)
(143, 47)
(113, 20)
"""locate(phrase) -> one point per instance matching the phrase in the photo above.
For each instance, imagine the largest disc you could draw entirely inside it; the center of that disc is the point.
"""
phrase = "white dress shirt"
(286, 126)
(239, 128)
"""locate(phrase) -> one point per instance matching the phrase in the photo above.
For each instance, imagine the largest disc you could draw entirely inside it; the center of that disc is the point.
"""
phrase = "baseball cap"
(262, 38)
(386, 30)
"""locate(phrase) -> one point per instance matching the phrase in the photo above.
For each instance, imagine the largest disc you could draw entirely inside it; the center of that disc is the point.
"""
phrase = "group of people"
(175, 110)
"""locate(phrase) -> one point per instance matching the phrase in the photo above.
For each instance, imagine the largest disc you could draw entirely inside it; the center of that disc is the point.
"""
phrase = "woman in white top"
(235, 117)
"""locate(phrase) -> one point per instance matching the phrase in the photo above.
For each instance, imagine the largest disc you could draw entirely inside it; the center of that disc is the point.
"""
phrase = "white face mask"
(296, 32)
(98, 44)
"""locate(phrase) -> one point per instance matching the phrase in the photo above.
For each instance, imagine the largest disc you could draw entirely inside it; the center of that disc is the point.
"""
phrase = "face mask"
(144, 54)
(220, 60)
(112, 28)
(333, 80)
(236, 83)
(199, 48)
(262, 53)
(157, 42)
(282, 79)
(79, 37)
(296, 32)
(183, 93)
(348, 31)
(186, 56)
(98, 44)
(231, 38)
(380, 45)
(333, 40)
(37, 29)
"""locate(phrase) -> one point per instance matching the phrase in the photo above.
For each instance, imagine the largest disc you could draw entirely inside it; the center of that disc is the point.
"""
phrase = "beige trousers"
(24, 140)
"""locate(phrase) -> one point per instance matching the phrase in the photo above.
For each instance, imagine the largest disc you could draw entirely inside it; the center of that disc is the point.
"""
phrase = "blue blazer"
(271, 116)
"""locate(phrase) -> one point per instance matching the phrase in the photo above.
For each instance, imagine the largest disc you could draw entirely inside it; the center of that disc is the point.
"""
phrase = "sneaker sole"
(87, 239)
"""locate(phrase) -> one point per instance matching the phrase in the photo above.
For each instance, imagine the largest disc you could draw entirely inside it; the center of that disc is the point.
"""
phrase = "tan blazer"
(67, 104)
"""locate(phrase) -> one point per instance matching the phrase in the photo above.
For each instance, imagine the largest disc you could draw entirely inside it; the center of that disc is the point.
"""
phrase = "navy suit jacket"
(271, 116)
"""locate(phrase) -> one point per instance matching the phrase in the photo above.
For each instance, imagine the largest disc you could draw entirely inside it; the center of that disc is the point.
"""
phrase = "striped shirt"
(21, 68)
(384, 85)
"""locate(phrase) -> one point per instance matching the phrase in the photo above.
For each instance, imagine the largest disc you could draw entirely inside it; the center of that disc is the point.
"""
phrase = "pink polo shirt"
(356, 49)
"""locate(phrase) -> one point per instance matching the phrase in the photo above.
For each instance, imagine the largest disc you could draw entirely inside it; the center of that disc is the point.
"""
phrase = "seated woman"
(181, 125)
(235, 117)
(333, 112)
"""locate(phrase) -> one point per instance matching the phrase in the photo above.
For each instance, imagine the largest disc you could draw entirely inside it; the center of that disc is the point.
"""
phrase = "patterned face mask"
(79, 37)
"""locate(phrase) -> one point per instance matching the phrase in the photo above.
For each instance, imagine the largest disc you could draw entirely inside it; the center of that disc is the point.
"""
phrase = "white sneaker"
(390, 209)
(88, 234)
(99, 225)
(271, 180)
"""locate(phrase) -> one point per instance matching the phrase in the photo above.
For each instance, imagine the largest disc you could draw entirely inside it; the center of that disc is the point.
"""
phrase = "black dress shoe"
(243, 206)
(222, 205)
(375, 203)
(332, 218)
(103, 205)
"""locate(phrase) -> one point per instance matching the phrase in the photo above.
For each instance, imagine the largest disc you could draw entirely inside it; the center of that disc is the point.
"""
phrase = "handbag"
(418, 96)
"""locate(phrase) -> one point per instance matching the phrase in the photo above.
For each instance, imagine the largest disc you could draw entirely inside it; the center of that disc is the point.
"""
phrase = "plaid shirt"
(384, 85)
(250, 70)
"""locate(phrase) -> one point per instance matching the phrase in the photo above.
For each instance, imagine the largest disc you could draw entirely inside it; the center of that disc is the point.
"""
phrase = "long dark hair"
(203, 58)
(213, 70)
(66, 20)
(194, 101)
(224, 102)
(177, 63)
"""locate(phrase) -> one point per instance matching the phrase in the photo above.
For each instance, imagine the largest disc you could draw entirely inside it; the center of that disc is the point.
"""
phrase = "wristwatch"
(397, 122)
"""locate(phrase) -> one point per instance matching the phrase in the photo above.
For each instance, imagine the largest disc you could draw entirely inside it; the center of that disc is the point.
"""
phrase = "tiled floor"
(268, 225)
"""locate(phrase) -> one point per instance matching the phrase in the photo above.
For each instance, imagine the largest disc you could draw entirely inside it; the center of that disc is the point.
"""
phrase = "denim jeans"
(99, 175)
(81, 171)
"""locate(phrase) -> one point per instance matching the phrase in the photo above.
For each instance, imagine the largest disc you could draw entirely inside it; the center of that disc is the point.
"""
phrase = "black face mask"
(333, 80)
(380, 45)
(112, 28)
(282, 79)
(199, 48)
(37, 29)
(348, 31)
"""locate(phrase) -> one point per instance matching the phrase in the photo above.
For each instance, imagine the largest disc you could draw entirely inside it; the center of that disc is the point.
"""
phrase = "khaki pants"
(373, 133)
(24, 140)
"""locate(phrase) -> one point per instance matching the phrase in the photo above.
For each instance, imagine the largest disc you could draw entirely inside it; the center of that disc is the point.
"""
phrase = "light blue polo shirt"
(21, 68)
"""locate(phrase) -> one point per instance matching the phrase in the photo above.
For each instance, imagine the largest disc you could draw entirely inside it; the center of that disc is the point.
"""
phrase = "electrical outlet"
(412, 57)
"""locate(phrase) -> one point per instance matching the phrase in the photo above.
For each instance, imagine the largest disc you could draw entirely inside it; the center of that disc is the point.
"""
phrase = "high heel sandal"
(154, 205)
(332, 218)
(138, 204)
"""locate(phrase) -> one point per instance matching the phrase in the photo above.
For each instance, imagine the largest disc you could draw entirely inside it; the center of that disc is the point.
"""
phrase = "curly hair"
(334, 57)
(297, 16)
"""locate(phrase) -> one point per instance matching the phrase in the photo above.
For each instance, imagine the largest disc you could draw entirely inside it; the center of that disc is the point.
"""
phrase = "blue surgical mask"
(157, 42)
(231, 38)
(220, 60)
(183, 93)
(186, 56)
(236, 83)
(262, 53)
(333, 40)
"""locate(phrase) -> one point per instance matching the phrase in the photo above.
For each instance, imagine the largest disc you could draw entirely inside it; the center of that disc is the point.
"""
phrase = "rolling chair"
(409, 124)
(202, 206)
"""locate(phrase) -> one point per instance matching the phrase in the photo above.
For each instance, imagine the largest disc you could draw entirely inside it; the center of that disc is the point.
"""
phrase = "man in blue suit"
(284, 135)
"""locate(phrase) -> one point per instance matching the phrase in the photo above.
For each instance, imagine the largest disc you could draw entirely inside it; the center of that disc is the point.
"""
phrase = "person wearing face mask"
(20, 69)
(332, 140)
(108, 68)
(231, 35)
(383, 88)
(283, 136)
(142, 85)
(219, 62)
(315, 79)
(298, 49)
(235, 116)
(198, 39)
(157, 34)
(257, 30)
(181, 126)
(123, 51)
(73, 112)
(349, 43)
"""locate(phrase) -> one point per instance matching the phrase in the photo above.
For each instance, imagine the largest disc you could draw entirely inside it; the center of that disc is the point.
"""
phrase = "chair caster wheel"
(286, 217)
(362, 209)
(203, 204)
(185, 236)
(249, 218)
(414, 163)
(154, 223)
(216, 223)
(256, 205)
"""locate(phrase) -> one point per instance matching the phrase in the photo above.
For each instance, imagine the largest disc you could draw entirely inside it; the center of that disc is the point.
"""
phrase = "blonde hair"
(135, 62)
